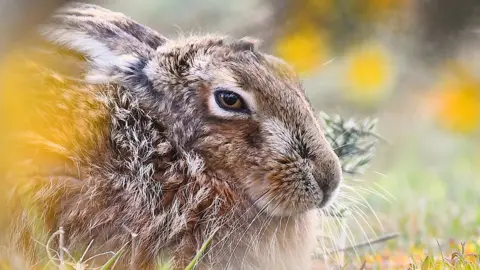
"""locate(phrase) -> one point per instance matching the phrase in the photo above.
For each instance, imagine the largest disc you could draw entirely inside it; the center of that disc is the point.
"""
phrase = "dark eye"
(229, 100)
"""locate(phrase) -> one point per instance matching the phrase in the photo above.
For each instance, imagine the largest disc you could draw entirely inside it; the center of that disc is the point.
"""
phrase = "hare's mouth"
(288, 201)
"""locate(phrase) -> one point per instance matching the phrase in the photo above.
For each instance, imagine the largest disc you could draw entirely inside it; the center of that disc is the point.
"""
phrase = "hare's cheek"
(242, 137)
(253, 137)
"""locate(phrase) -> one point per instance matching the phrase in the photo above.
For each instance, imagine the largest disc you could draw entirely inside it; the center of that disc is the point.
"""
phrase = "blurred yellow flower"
(31, 126)
(470, 251)
(371, 259)
(368, 73)
(457, 101)
(392, 258)
(469, 247)
(305, 47)
(416, 253)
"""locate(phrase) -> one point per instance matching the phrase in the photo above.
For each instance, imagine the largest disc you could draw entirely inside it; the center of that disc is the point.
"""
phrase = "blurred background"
(413, 64)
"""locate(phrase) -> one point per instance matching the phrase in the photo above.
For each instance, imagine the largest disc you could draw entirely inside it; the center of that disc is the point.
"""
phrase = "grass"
(434, 183)
(60, 258)
(428, 193)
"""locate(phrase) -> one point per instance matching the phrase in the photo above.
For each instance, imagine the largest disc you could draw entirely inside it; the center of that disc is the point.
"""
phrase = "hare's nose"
(328, 175)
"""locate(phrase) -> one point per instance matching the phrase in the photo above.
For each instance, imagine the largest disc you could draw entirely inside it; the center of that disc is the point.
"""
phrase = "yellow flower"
(470, 247)
(37, 115)
(368, 73)
(305, 47)
(458, 101)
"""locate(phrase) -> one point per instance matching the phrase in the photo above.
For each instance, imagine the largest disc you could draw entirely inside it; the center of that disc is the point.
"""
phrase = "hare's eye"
(230, 101)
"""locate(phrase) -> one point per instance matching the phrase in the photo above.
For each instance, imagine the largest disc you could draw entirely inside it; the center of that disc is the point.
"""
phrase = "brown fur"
(140, 149)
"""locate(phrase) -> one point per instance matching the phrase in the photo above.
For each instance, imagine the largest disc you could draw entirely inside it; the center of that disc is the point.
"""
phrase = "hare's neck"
(268, 243)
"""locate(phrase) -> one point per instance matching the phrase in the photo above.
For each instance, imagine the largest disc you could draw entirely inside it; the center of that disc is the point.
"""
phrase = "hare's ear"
(114, 45)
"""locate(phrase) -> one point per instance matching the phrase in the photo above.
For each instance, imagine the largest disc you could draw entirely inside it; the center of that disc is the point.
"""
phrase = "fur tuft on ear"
(114, 44)
(144, 34)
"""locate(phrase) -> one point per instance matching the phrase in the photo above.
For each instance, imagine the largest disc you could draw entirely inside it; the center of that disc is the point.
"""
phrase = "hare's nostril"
(328, 179)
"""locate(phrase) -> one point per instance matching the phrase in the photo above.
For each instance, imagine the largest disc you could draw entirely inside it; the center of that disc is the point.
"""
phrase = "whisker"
(246, 229)
(384, 190)
(263, 226)
(348, 232)
(366, 203)
(373, 191)
(238, 220)
(322, 246)
(332, 240)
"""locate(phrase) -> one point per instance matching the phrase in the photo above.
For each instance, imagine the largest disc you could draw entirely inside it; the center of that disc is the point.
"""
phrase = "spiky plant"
(353, 141)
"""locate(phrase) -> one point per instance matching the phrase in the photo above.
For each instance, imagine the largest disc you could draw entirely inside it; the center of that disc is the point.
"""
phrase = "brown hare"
(174, 140)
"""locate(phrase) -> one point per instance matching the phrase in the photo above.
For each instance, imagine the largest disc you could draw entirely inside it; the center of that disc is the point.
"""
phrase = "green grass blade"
(111, 262)
(428, 263)
(165, 266)
(199, 254)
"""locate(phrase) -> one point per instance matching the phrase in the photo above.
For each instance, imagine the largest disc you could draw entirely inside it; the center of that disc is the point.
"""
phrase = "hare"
(176, 141)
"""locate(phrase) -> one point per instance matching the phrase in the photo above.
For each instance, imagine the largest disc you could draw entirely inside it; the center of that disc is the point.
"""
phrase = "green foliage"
(353, 141)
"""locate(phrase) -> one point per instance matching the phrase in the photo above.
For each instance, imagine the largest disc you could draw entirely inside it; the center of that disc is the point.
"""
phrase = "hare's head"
(233, 110)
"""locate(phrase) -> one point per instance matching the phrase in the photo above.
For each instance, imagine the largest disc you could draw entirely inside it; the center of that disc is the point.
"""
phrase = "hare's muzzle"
(328, 175)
